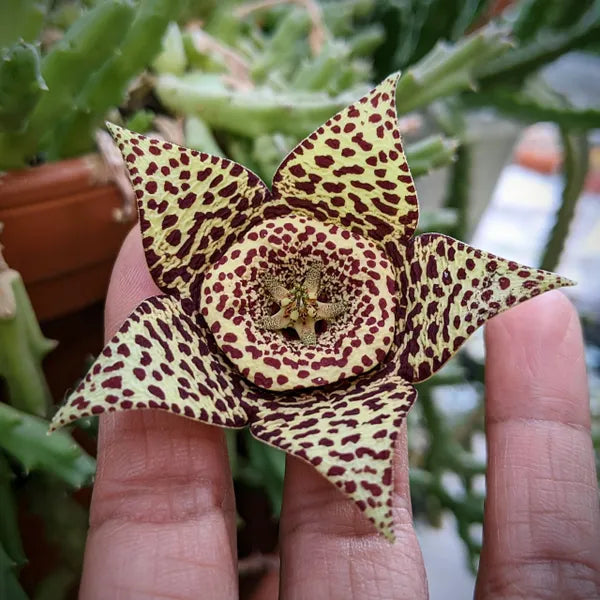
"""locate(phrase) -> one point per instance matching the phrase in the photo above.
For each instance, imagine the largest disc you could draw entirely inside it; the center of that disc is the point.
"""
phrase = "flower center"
(299, 308)
(334, 289)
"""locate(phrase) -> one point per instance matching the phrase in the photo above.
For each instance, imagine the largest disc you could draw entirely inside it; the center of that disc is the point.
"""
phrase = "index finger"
(162, 516)
(542, 522)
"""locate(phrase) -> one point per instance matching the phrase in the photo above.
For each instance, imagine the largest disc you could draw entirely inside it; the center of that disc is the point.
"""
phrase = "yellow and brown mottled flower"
(305, 311)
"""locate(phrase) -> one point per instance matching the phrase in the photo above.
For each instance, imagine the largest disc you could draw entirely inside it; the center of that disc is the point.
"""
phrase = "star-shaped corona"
(305, 311)
(300, 308)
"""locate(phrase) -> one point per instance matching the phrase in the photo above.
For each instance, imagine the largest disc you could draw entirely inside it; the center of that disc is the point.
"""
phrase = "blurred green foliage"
(249, 84)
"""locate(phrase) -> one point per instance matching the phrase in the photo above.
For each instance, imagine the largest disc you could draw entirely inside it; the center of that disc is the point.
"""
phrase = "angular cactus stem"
(430, 153)
(541, 50)
(21, 85)
(10, 538)
(253, 112)
(25, 438)
(576, 157)
(21, 20)
(108, 85)
(67, 67)
(448, 69)
(199, 136)
(22, 346)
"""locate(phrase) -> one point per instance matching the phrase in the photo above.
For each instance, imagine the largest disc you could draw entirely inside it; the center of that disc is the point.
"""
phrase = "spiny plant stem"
(10, 538)
(457, 194)
(22, 346)
(576, 157)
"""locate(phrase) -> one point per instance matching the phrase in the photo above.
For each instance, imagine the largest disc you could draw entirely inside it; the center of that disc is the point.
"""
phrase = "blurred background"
(499, 105)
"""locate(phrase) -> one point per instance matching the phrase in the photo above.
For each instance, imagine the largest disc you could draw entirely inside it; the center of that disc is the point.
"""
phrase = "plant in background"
(52, 99)
(43, 470)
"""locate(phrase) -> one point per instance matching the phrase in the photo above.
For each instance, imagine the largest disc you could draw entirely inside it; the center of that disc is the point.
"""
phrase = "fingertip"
(535, 364)
(130, 283)
(545, 319)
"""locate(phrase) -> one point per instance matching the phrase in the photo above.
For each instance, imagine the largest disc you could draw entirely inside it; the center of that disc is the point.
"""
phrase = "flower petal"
(161, 358)
(449, 290)
(192, 207)
(347, 435)
(352, 171)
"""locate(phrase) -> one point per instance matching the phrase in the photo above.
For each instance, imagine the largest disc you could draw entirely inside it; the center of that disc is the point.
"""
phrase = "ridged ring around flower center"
(237, 301)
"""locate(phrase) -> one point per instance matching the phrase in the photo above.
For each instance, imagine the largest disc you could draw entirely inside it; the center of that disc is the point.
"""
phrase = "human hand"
(163, 518)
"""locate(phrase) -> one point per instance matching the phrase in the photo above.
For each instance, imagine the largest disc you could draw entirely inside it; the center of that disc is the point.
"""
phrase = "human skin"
(162, 519)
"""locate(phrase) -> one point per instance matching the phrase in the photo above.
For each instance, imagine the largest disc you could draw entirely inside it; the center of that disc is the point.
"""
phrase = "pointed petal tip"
(565, 282)
(554, 281)
(52, 427)
(112, 128)
(58, 420)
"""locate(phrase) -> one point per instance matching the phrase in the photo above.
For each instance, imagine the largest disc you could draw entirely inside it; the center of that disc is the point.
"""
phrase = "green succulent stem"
(65, 527)
(57, 585)
(534, 104)
(22, 347)
(284, 45)
(576, 158)
(10, 538)
(449, 68)
(21, 20)
(66, 69)
(10, 587)
(25, 438)
(21, 85)
(315, 74)
(108, 85)
(199, 136)
(430, 153)
(253, 112)
(445, 453)
(457, 192)
(545, 47)
(65, 519)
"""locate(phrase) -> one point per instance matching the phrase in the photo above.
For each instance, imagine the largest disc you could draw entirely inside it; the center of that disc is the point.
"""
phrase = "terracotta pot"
(61, 233)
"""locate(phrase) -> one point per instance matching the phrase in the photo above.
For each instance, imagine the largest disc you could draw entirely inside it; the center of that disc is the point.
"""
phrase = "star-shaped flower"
(306, 312)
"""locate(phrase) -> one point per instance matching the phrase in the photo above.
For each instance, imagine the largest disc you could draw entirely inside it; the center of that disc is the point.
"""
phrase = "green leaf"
(25, 438)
